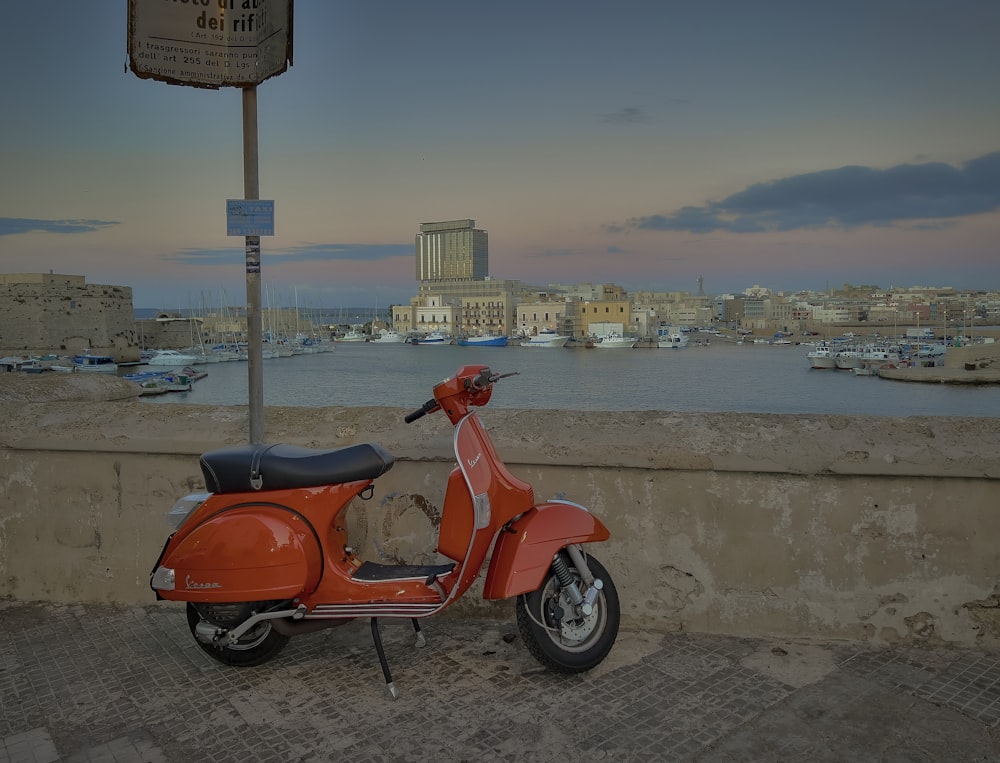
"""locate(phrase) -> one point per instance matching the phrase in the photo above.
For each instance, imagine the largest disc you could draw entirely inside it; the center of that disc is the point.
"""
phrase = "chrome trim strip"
(569, 503)
(378, 609)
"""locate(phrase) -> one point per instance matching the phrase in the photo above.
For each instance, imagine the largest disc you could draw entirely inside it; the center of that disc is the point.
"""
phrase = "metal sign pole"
(255, 345)
(244, 48)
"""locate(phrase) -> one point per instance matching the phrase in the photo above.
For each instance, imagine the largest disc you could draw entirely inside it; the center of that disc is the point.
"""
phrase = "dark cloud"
(12, 226)
(921, 195)
(555, 253)
(305, 253)
(628, 115)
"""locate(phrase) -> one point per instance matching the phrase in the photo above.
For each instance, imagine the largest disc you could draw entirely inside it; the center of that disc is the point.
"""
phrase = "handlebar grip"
(483, 381)
(423, 410)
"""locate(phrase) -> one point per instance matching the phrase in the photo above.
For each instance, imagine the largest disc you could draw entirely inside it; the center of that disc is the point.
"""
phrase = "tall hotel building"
(454, 250)
(455, 293)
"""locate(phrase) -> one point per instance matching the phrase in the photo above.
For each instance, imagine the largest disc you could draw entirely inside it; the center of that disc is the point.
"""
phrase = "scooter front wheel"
(257, 646)
(557, 633)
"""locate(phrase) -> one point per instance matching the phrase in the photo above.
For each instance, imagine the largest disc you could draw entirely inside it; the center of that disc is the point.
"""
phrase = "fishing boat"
(389, 336)
(545, 338)
(353, 336)
(822, 356)
(614, 340)
(102, 364)
(434, 338)
(482, 341)
(674, 340)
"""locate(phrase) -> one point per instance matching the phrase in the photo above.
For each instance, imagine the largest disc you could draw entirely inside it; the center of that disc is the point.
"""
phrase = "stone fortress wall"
(46, 312)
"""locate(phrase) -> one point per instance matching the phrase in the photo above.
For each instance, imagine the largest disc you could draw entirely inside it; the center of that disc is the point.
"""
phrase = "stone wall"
(63, 313)
(861, 528)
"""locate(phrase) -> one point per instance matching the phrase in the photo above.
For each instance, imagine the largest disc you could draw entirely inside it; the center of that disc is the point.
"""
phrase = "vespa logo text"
(473, 461)
(189, 583)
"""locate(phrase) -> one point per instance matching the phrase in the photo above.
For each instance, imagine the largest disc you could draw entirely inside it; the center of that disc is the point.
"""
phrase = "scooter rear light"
(183, 508)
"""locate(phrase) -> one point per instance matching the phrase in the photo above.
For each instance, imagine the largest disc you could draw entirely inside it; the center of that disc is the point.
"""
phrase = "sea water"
(723, 376)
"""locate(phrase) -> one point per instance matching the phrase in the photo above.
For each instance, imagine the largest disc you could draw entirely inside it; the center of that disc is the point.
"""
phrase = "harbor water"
(723, 376)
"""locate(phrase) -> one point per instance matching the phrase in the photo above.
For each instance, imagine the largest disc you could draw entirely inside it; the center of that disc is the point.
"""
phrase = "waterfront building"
(535, 315)
(614, 307)
(432, 312)
(673, 308)
(476, 307)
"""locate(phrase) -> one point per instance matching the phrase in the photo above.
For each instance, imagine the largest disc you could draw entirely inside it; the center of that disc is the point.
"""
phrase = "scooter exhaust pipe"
(207, 633)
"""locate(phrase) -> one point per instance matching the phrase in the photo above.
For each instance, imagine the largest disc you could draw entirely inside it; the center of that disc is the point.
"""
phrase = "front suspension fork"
(583, 601)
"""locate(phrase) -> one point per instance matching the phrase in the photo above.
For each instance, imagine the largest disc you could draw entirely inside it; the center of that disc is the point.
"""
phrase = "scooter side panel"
(252, 553)
(522, 557)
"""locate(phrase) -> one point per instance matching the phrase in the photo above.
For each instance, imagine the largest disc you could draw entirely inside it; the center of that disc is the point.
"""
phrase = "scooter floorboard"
(372, 571)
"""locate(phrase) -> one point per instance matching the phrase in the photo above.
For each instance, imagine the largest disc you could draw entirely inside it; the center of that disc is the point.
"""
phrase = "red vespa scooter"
(265, 555)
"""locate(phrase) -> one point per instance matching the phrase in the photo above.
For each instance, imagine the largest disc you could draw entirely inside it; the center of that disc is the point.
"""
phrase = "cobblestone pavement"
(92, 683)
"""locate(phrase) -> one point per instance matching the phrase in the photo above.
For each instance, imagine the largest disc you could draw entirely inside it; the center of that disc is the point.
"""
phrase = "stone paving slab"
(93, 683)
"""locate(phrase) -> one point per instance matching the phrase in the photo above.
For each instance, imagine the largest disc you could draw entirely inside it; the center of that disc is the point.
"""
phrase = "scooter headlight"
(183, 508)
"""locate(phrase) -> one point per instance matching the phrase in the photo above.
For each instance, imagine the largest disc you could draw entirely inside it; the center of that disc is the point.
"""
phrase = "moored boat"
(545, 338)
(353, 336)
(434, 338)
(673, 340)
(104, 364)
(614, 340)
(482, 341)
(171, 358)
(877, 356)
(821, 357)
(847, 358)
(389, 336)
(155, 382)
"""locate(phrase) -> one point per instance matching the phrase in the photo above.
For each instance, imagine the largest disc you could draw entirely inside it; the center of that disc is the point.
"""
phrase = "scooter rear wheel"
(260, 644)
(561, 640)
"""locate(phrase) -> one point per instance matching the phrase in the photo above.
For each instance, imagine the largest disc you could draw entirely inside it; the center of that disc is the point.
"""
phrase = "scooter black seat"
(247, 468)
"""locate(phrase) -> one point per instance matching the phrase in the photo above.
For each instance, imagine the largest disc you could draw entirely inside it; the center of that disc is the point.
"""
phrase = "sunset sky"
(795, 145)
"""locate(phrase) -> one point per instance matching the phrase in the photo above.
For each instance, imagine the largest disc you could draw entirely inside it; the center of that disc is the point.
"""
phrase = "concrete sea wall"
(860, 528)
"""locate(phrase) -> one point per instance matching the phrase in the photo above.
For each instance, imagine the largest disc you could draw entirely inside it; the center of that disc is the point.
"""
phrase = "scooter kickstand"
(421, 642)
(377, 638)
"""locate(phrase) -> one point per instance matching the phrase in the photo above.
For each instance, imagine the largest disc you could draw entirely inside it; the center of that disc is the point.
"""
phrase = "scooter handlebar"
(487, 377)
(422, 411)
(467, 387)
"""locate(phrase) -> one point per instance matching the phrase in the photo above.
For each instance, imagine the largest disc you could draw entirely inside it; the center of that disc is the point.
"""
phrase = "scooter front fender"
(524, 550)
(252, 552)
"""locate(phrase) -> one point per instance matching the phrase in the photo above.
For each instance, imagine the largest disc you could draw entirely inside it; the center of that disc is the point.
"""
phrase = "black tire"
(260, 644)
(571, 645)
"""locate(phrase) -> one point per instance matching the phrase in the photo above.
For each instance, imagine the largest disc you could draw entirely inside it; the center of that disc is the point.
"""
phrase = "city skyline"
(795, 146)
